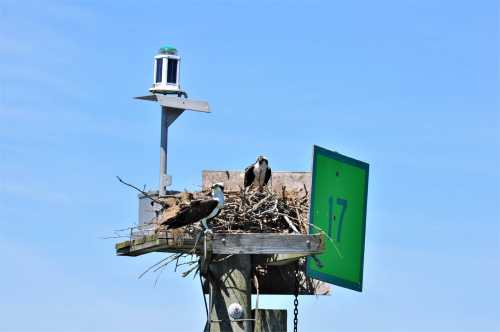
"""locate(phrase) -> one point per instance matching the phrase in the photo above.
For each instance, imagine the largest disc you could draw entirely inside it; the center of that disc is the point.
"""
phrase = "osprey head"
(261, 160)
(218, 185)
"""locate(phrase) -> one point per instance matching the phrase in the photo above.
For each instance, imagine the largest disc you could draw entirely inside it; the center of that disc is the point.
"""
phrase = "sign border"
(320, 275)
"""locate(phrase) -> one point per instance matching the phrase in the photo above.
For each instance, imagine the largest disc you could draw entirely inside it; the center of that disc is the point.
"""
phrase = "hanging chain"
(296, 300)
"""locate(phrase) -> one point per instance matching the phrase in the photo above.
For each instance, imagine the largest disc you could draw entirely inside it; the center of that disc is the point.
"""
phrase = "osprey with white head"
(217, 195)
(258, 173)
(199, 210)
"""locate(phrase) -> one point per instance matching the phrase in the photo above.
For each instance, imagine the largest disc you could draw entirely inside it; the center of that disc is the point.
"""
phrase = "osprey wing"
(191, 214)
(268, 175)
(249, 176)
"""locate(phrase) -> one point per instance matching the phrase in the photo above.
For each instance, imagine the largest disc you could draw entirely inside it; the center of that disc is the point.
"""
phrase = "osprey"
(199, 210)
(258, 173)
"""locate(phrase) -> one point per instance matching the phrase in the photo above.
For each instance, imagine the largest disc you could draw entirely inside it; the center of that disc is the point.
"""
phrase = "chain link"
(296, 300)
(295, 313)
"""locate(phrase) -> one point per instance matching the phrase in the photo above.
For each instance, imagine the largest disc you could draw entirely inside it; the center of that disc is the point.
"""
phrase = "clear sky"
(410, 87)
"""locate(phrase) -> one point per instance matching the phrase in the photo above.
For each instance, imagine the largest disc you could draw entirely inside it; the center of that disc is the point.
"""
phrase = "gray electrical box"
(147, 214)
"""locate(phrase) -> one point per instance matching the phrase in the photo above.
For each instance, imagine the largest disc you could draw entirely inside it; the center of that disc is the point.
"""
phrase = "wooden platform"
(273, 256)
(275, 253)
(224, 243)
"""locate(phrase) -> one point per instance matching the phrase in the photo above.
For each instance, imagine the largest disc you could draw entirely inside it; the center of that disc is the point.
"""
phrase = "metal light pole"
(165, 180)
(166, 90)
(171, 108)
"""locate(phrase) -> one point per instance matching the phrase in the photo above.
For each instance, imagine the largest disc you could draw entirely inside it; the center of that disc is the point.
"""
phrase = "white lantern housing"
(166, 72)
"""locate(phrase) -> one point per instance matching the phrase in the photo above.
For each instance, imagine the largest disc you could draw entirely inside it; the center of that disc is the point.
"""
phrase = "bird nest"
(247, 212)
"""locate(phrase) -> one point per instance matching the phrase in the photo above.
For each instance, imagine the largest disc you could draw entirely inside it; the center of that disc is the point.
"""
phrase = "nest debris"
(244, 211)
(265, 212)
(249, 212)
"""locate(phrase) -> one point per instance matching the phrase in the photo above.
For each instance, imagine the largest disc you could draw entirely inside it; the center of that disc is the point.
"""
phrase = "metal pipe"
(163, 152)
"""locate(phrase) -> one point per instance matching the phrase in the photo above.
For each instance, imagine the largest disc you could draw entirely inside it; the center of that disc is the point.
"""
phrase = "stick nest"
(264, 212)
(251, 212)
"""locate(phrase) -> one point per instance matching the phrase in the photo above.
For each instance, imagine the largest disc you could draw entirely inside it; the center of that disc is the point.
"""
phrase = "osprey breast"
(260, 173)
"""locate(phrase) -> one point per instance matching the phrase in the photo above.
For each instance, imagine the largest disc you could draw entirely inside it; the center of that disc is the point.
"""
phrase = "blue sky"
(409, 86)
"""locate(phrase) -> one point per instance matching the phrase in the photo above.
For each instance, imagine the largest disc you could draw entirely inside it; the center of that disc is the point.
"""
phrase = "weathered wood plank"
(224, 244)
(230, 283)
(233, 180)
(266, 243)
(122, 245)
(160, 242)
(269, 320)
(281, 281)
(278, 259)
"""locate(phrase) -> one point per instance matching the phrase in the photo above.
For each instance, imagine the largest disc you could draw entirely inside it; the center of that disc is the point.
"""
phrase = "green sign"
(338, 209)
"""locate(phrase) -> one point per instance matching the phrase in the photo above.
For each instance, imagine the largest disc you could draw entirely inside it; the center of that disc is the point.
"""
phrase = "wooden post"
(230, 282)
(267, 320)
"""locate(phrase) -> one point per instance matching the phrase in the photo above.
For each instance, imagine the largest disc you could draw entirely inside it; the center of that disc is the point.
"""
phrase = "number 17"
(343, 203)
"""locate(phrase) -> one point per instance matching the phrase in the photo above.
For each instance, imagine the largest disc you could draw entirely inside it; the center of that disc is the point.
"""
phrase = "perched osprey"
(258, 173)
(199, 210)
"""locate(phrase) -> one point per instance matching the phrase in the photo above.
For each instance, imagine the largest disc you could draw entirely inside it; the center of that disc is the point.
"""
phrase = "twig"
(305, 189)
(186, 273)
(292, 226)
(141, 191)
